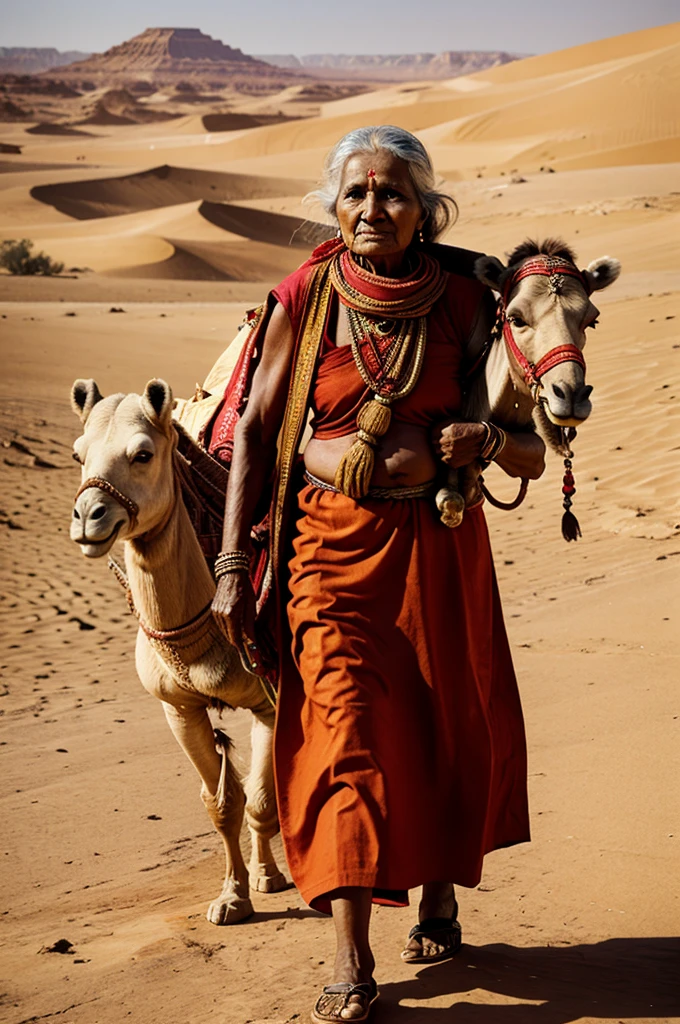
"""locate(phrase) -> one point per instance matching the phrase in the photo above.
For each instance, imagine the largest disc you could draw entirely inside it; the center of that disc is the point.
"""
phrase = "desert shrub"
(16, 257)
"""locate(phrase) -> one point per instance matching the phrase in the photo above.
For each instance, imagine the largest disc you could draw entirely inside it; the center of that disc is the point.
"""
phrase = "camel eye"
(143, 456)
(76, 458)
(517, 320)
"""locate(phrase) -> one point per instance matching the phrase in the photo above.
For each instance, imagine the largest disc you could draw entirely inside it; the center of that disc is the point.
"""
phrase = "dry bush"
(16, 257)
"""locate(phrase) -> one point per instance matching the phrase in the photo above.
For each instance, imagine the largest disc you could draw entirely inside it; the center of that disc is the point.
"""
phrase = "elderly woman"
(400, 753)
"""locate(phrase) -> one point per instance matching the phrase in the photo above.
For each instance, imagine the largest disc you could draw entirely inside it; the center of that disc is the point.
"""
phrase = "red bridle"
(552, 267)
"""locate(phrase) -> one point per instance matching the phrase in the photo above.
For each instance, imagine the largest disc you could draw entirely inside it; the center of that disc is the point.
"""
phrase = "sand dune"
(571, 118)
(261, 226)
(215, 261)
(144, 215)
(120, 107)
(187, 236)
(160, 186)
(63, 130)
(576, 57)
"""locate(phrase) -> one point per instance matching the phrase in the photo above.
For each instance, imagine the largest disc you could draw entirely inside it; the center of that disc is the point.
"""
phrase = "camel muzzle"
(566, 405)
(96, 522)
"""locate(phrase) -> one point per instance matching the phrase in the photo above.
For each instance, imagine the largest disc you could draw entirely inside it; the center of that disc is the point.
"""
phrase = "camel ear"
(84, 396)
(157, 404)
(602, 272)
(490, 271)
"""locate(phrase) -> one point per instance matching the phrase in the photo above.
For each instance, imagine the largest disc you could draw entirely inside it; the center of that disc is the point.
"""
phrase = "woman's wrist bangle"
(228, 562)
(489, 441)
(487, 437)
(494, 442)
(503, 442)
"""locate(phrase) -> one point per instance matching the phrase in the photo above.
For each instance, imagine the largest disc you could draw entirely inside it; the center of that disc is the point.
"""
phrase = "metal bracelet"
(228, 562)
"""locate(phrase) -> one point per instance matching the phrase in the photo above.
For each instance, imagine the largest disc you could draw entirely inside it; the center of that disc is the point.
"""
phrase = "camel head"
(546, 311)
(126, 451)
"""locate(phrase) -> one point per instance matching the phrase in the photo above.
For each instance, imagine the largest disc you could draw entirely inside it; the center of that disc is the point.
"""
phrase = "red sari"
(400, 753)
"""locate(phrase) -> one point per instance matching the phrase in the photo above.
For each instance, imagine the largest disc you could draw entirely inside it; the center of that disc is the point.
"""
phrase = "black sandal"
(444, 931)
(335, 998)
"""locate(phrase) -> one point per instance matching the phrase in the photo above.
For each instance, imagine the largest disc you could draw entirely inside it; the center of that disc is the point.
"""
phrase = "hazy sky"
(338, 26)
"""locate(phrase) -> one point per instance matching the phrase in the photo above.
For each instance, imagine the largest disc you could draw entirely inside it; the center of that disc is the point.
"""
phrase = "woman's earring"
(338, 233)
(421, 237)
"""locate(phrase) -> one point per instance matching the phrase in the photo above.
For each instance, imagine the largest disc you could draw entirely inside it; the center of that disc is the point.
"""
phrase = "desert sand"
(106, 844)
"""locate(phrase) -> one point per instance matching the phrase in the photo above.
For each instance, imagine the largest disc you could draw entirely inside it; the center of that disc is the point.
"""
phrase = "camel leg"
(261, 815)
(224, 800)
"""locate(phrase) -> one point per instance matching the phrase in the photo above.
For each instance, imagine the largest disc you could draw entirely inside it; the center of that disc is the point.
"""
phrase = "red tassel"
(570, 525)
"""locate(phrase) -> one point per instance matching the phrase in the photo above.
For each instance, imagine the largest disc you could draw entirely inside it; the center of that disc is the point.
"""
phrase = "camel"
(127, 451)
(544, 305)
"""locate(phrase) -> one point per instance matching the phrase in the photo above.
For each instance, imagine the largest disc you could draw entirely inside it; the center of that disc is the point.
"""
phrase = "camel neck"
(499, 390)
(168, 589)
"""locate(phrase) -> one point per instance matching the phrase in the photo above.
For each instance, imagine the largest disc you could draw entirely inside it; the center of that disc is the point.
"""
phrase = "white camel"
(531, 374)
(131, 492)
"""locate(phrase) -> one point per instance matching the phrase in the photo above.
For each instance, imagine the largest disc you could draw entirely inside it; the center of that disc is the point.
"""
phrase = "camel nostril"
(76, 514)
(98, 512)
(558, 391)
(587, 392)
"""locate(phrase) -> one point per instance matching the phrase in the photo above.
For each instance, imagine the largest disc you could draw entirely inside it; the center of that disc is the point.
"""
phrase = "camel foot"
(268, 883)
(229, 908)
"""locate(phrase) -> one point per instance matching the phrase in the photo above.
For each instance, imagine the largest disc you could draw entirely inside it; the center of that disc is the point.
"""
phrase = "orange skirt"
(400, 751)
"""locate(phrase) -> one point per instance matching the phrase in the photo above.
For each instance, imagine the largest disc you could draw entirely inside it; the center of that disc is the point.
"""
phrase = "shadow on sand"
(621, 979)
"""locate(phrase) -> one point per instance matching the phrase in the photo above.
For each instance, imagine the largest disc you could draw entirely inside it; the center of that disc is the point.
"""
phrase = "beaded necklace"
(394, 312)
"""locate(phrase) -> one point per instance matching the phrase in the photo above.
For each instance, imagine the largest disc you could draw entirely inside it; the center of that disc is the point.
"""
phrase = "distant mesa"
(163, 55)
(392, 67)
(32, 85)
(29, 60)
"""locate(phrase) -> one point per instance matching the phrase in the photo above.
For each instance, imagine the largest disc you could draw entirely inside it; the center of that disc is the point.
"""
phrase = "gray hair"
(441, 209)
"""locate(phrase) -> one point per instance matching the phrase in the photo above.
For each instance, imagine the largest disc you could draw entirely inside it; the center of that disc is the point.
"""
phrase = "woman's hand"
(233, 609)
(458, 444)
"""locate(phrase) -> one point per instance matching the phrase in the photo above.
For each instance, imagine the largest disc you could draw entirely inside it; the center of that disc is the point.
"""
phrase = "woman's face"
(377, 207)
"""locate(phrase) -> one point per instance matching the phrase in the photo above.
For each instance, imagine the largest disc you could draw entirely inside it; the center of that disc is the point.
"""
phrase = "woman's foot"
(437, 936)
(354, 990)
(345, 1002)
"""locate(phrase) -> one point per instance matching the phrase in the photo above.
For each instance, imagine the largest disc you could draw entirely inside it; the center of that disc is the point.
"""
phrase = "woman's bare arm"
(252, 463)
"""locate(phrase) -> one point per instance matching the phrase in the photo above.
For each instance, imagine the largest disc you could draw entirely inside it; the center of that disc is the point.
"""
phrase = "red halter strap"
(552, 267)
(130, 506)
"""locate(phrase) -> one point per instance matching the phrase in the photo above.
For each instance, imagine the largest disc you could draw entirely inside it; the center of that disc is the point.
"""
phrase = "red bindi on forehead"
(371, 172)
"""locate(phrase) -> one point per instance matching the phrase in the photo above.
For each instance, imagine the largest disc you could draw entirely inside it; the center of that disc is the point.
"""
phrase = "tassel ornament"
(353, 475)
(570, 524)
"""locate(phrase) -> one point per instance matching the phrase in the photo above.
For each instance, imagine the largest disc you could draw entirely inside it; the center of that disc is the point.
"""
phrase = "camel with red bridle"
(529, 371)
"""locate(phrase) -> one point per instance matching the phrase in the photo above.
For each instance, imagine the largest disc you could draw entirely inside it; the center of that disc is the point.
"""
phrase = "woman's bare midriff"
(403, 459)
